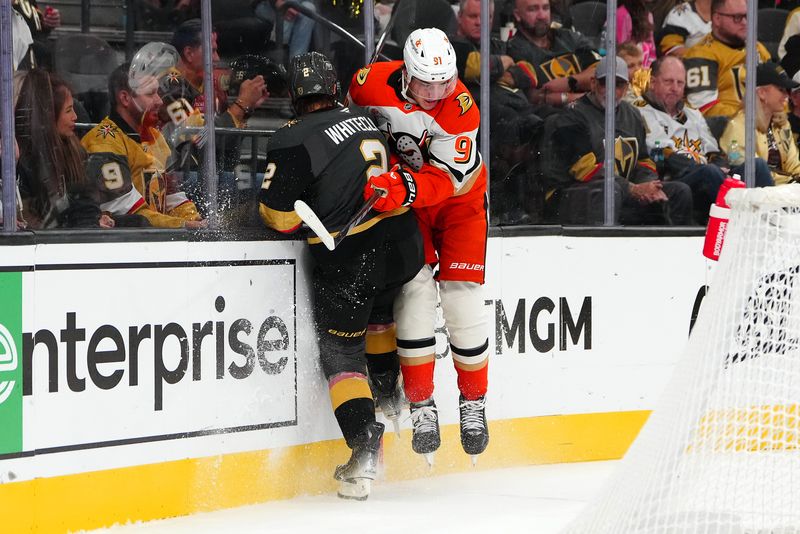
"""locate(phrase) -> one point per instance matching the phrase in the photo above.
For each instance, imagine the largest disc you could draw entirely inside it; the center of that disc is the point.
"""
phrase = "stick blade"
(308, 216)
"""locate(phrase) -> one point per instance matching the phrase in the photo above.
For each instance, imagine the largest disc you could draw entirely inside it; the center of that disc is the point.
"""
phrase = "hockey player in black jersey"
(324, 157)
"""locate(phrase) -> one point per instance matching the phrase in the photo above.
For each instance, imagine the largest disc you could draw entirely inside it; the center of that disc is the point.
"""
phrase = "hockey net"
(721, 450)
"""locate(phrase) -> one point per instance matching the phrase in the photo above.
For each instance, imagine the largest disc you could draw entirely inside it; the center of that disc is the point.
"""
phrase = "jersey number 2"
(371, 150)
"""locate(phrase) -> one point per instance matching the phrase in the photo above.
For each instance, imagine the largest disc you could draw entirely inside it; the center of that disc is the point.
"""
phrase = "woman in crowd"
(635, 23)
(775, 146)
(51, 167)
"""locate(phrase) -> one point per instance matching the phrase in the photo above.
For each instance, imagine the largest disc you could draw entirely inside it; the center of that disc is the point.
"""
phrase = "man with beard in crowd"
(565, 58)
(715, 66)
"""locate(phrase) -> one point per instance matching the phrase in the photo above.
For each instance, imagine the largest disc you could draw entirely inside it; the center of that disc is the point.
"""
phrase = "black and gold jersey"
(324, 158)
(569, 54)
(715, 76)
(577, 151)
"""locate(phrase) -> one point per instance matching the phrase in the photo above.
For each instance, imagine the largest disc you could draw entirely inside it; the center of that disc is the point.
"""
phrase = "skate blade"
(474, 458)
(356, 489)
(396, 425)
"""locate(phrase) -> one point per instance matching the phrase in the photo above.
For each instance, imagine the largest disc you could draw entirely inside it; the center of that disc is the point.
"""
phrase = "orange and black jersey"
(438, 145)
(324, 158)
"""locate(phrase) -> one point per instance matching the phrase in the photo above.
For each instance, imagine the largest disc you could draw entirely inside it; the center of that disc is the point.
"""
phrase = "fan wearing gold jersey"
(715, 66)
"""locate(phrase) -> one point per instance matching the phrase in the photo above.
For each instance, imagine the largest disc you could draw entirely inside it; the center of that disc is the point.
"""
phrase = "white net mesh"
(720, 453)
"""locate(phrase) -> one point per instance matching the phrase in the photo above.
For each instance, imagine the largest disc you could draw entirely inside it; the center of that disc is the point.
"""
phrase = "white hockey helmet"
(151, 62)
(430, 61)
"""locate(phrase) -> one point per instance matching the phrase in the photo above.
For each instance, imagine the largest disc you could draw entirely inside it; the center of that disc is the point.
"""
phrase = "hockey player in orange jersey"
(431, 122)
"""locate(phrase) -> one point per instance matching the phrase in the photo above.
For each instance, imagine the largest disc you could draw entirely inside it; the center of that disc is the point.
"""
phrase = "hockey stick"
(311, 219)
(382, 39)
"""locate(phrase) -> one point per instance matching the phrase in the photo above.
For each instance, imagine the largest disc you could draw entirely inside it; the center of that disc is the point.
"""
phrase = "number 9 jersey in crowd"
(440, 147)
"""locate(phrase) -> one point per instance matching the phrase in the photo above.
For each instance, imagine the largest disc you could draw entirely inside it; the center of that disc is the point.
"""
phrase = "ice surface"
(534, 499)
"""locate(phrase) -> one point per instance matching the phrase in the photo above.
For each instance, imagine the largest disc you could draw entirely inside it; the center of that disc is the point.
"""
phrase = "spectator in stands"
(185, 99)
(128, 157)
(792, 28)
(685, 25)
(794, 110)
(467, 43)
(791, 61)
(638, 75)
(40, 25)
(715, 66)
(53, 185)
(22, 43)
(186, 81)
(635, 23)
(298, 29)
(774, 141)
(575, 156)
(660, 9)
(564, 58)
(679, 138)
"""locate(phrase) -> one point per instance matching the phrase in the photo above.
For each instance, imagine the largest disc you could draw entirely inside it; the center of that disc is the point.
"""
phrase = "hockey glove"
(398, 188)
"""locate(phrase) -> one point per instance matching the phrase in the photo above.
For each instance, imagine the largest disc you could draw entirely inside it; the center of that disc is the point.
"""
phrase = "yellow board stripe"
(382, 342)
(348, 389)
(169, 489)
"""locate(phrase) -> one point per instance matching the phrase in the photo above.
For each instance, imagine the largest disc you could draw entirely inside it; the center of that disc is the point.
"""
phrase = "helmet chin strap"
(404, 87)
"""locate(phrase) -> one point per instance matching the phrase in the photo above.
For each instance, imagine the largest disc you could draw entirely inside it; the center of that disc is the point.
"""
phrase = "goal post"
(721, 451)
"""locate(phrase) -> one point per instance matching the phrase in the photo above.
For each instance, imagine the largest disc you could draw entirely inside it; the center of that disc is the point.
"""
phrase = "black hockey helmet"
(312, 74)
(249, 66)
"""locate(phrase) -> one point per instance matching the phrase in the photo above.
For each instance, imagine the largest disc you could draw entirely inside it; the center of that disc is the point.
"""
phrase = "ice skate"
(387, 389)
(426, 438)
(357, 474)
(474, 430)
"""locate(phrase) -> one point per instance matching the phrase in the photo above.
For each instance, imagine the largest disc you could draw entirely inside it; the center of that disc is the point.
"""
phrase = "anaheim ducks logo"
(465, 101)
(361, 77)
(561, 67)
(412, 150)
(626, 152)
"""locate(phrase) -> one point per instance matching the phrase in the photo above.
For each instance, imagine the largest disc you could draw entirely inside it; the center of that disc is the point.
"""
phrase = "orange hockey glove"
(398, 188)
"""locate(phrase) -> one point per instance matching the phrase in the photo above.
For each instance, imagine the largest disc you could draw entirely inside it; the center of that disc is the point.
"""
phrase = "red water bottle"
(718, 219)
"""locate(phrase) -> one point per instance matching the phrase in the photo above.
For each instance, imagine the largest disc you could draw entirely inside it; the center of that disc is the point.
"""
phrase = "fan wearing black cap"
(774, 141)
(575, 163)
